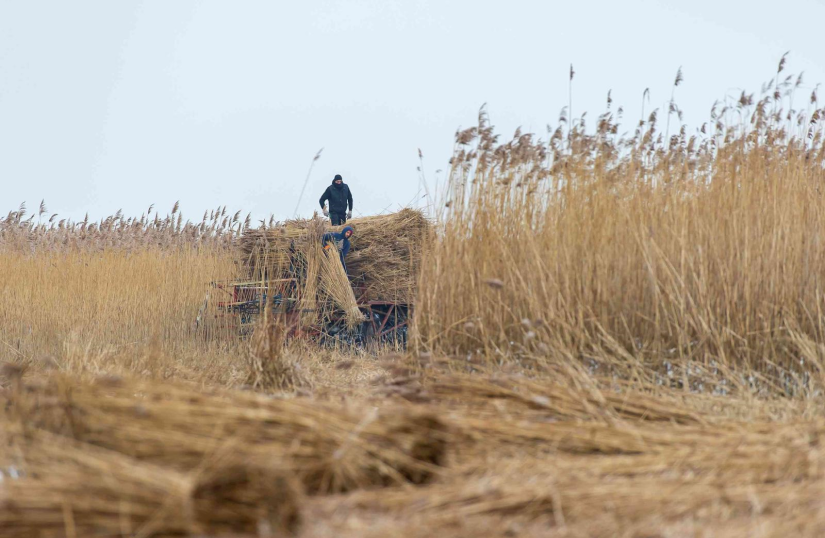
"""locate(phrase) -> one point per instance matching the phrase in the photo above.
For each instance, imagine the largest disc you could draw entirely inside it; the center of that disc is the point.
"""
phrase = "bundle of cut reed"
(312, 258)
(270, 251)
(386, 254)
(327, 447)
(66, 488)
(304, 259)
(384, 259)
(335, 284)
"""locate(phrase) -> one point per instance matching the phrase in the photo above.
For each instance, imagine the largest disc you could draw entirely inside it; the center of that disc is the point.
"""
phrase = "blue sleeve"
(345, 249)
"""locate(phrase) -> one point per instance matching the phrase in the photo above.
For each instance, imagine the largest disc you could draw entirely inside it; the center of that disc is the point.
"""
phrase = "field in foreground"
(614, 337)
(405, 446)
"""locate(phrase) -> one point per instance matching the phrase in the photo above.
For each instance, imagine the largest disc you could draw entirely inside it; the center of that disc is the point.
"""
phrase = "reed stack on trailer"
(290, 274)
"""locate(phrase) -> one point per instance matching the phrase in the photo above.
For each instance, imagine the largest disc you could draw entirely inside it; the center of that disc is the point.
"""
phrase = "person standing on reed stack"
(339, 241)
(339, 197)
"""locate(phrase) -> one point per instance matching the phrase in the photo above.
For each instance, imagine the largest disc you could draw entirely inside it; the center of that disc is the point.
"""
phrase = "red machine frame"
(385, 321)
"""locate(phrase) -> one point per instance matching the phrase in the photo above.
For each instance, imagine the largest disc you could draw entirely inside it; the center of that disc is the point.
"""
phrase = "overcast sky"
(118, 104)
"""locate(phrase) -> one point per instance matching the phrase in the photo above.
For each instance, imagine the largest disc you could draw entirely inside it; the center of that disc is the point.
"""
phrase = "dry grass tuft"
(268, 366)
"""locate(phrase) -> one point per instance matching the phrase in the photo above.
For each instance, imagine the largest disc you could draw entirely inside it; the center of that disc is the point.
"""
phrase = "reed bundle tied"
(335, 284)
(386, 254)
(328, 448)
(66, 488)
(310, 259)
(384, 258)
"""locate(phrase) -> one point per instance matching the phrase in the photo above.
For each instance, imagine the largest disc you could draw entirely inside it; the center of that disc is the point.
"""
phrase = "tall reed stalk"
(707, 247)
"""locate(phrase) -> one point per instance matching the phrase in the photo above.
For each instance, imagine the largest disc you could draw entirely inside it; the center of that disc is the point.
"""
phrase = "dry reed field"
(117, 294)
(614, 335)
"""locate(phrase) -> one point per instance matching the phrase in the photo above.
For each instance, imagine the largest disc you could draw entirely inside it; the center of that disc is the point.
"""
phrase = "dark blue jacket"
(339, 198)
(336, 237)
(339, 236)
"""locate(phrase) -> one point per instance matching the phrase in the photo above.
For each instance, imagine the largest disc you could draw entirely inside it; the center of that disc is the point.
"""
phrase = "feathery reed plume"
(306, 181)
(111, 233)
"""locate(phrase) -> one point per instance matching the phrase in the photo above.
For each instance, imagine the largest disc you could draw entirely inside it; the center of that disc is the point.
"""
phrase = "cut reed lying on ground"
(328, 448)
(737, 452)
(624, 261)
(69, 488)
(621, 502)
(558, 400)
(705, 248)
(364, 522)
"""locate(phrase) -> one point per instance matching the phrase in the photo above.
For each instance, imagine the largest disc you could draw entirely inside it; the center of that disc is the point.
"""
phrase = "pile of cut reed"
(328, 448)
(738, 451)
(66, 488)
(384, 259)
(386, 254)
(610, 506)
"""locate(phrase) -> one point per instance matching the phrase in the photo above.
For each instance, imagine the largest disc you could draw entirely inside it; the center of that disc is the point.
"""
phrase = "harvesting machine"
(282, 278)
(239, 305)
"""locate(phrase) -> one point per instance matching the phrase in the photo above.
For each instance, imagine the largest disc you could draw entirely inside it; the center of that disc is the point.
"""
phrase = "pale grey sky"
(108, 105)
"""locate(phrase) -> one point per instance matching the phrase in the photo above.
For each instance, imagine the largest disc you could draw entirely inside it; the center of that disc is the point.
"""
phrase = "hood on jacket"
(344, 231)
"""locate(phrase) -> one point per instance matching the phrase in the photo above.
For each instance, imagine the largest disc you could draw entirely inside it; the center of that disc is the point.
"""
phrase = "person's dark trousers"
(338, 218)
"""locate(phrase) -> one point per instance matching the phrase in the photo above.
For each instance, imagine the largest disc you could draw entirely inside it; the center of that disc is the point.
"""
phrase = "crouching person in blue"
(340, 241)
